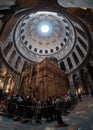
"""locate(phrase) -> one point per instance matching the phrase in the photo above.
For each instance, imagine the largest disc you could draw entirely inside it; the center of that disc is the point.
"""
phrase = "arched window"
(82, 43)
(12, 56)
(57, 48)
(17, 62)
(75, 58)
(26, 66)
(62, 66)
(7, 48)
(35, 49)
(51, 50)
(40, 51)
(69, 63)
(46, 51)
(81, 32)
(79, 51)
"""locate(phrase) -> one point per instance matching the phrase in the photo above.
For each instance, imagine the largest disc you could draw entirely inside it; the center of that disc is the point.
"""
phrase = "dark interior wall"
(85, 15)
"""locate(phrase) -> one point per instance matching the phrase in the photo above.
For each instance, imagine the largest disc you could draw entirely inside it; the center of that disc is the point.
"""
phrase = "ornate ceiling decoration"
(44, 34)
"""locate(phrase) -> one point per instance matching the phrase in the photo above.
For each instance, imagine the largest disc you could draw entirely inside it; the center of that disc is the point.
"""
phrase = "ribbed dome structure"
(41, 34)
(33, 38)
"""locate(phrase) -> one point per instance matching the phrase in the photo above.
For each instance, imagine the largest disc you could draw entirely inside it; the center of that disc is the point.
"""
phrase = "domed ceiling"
(44, 34)
(40, 34)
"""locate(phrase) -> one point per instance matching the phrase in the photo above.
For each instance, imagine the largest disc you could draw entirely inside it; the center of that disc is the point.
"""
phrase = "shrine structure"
(44, 79)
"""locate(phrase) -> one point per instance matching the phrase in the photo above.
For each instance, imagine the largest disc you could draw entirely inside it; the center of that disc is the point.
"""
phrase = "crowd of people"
(22, 106)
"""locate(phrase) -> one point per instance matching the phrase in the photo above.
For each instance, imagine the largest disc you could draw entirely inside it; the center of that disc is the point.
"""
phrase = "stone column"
(5, 83)
(17, 80)
(66, 65)
(73, 61)
(78, 55)
(14, 60)
(89, 77)
(9, 53)
(72, 85)
(82, 83)
(20, 67)
(83, 50)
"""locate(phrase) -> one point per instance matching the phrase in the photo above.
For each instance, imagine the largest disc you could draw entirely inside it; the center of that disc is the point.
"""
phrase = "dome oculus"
(44, 28)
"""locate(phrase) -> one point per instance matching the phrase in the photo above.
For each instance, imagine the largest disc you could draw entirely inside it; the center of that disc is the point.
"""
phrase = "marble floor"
(80, 118)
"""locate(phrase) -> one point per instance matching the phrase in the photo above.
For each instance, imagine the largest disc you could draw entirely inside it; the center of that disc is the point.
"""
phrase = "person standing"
(59, 105)
(79, 96)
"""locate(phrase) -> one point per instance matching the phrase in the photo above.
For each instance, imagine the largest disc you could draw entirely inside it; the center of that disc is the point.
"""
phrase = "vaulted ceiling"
(8, 7)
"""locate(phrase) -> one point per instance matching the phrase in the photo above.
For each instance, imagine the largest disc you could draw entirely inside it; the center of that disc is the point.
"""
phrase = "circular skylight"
(45, 28)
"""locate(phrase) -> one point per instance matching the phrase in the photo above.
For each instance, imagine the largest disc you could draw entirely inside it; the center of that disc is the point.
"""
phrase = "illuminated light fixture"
(45, 28)
(84, 8)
